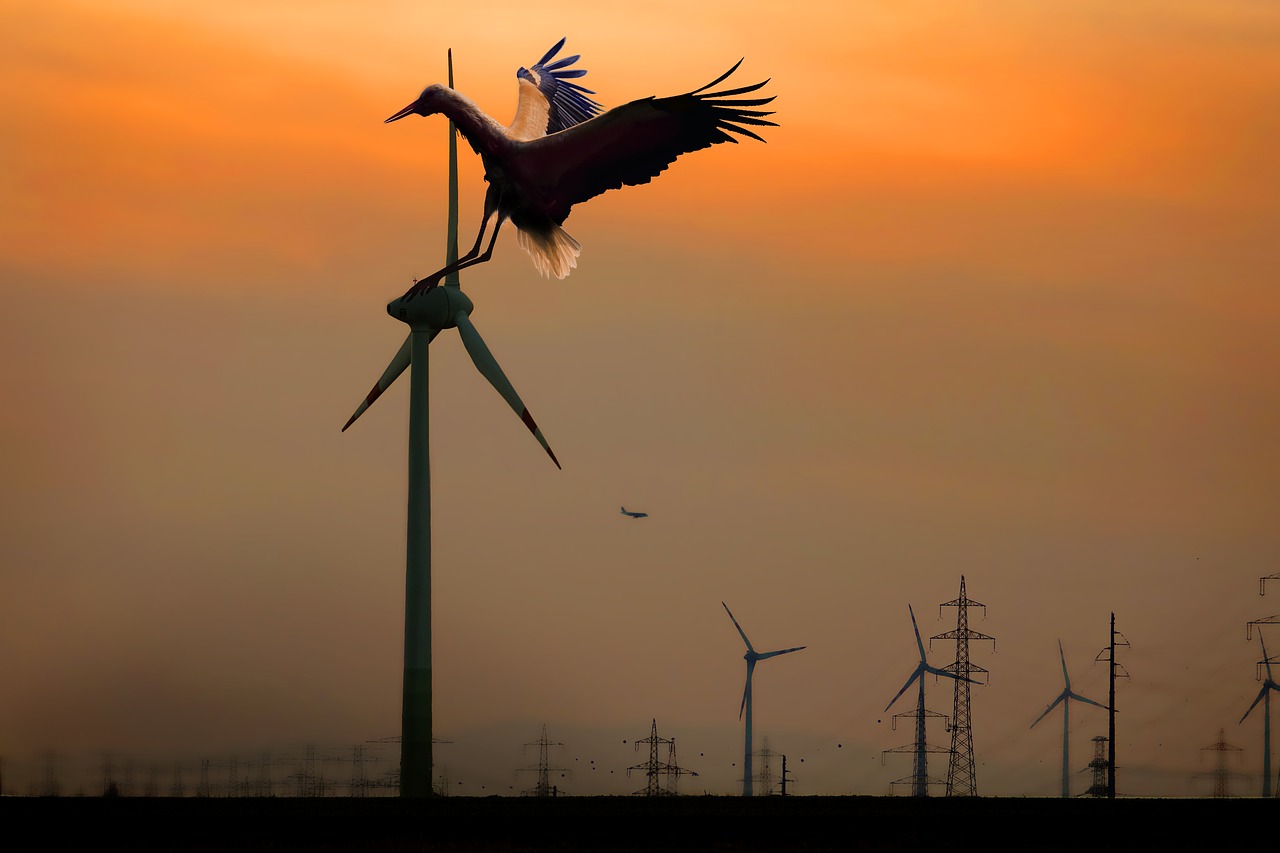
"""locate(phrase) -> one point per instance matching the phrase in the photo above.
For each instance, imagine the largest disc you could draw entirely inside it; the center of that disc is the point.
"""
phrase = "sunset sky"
(996, 299)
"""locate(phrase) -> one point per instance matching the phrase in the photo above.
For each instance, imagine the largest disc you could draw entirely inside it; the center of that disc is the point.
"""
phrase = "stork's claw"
(422, 286)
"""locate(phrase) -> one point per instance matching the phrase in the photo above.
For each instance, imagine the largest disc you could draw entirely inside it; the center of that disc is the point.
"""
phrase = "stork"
(535, 178)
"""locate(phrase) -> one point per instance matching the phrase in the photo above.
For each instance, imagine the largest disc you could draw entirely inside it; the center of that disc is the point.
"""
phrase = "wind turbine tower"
(1064, 698)
(442, 308)
(920, 749)
(961, 775)
(751, 657)
(1264, 696)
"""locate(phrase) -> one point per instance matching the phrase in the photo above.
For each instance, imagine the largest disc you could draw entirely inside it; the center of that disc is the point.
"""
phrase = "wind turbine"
(1065, 698)
(920, 771)
(443, 308)
(1264, 696)
(750, 657)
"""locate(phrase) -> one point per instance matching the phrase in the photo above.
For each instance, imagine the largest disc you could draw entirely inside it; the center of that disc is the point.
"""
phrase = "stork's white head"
(428, 103)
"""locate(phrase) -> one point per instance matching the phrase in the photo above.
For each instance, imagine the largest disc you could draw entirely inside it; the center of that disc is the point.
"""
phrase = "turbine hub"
(433, 310)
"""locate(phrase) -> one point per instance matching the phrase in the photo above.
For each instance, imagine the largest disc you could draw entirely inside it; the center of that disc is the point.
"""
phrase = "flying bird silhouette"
(536, 179)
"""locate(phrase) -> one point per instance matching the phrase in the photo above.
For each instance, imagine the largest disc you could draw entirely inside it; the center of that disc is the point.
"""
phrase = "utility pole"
(961, 774)
(1112, 666)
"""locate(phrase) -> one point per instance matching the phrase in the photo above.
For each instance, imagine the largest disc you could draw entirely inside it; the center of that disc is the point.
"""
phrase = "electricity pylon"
(543, 787)
(961, 775)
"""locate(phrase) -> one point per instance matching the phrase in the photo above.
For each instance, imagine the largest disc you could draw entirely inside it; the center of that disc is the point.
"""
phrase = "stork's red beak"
(409, 110)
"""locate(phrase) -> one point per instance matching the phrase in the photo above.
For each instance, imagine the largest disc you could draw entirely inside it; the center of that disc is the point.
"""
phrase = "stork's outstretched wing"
(561, 104)
(634, 143)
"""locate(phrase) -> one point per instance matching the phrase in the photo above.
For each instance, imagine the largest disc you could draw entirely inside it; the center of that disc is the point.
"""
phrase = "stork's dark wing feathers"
(567, 102)
(634, 143)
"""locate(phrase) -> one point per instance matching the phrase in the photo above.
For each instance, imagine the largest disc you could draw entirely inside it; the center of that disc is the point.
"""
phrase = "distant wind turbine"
(920, 770)
(750, 657)
(1264, 696)
(1065, 698)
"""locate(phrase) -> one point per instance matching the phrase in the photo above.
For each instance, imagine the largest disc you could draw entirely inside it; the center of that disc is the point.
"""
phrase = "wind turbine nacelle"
(433, 310)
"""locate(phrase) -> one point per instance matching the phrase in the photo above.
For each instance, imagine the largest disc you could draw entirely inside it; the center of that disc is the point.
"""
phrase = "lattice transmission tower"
(1221, 775)
(1099, 766)
(543, 787)
(661, 777)
(961, 775)
(919, 750)
(764, 779)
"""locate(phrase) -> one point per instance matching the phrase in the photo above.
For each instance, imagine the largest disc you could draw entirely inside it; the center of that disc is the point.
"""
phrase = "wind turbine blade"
(1261, 693)
(1266, 660)
(742, 633)
(945, 673)
(914, 627)
(919, 671)
(488, 367)
(1056, 703)
(1079, 698)
(746, 688)
(1066, 678)
(764, 655)
(397, 366)
(451, 237)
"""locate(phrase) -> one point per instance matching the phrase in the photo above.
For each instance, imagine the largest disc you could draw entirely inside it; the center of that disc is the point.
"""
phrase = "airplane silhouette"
(633, 514)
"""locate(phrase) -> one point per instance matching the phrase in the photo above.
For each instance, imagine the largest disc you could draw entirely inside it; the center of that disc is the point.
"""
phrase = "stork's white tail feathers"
(553, 252)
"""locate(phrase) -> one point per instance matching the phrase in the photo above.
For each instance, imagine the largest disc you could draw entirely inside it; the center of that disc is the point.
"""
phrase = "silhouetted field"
(460, 824)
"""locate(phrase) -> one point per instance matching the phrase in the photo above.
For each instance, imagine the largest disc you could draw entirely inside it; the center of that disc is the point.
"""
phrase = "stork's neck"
(485, 135)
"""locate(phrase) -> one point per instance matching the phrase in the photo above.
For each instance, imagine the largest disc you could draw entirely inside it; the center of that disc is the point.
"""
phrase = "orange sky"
(996, 298)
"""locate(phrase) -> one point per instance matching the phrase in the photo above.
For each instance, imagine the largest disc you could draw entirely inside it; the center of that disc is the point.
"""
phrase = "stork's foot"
(421, 286)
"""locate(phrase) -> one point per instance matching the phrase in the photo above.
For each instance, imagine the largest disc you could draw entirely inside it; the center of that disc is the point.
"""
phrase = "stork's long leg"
(488, 253)
(492, 199)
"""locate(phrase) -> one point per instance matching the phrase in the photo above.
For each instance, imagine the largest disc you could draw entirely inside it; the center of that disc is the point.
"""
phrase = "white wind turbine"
(443, 308)
(1065, 698)
(750, 657)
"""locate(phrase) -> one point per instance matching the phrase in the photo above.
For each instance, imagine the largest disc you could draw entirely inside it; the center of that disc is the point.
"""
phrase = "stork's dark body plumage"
(536, 179)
